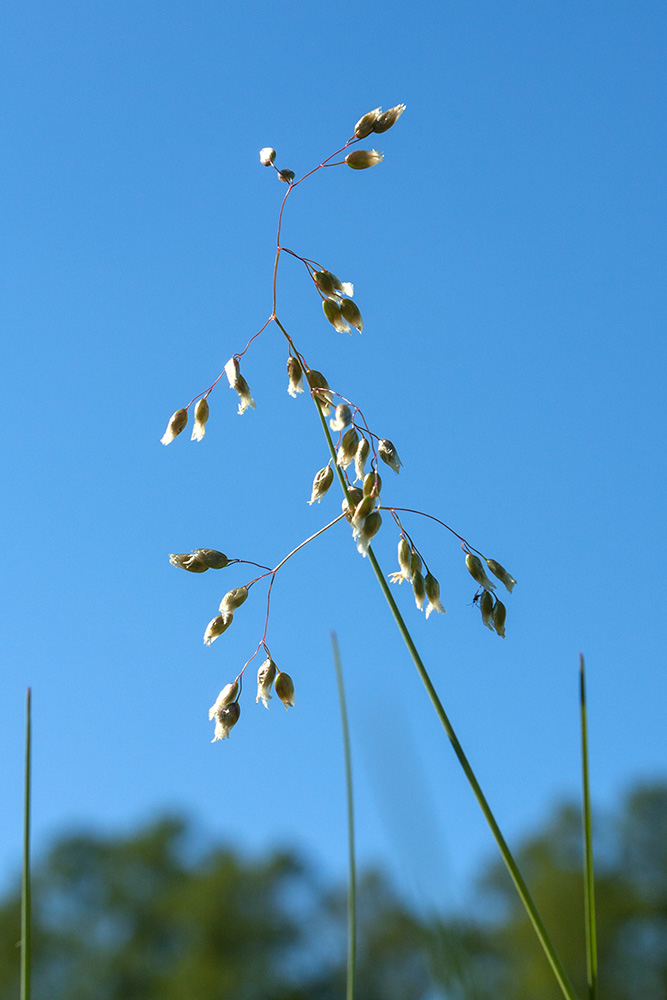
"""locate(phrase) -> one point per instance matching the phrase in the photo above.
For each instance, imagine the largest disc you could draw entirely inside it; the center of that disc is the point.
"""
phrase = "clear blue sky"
(509, 260)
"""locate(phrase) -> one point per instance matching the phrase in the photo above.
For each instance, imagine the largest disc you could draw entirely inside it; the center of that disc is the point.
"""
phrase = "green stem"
(510, 863)
(352, 892)
(25, 879)
(589, 883)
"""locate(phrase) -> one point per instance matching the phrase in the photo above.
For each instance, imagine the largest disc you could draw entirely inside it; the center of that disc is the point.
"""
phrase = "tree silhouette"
(153, 917)
(149, 918)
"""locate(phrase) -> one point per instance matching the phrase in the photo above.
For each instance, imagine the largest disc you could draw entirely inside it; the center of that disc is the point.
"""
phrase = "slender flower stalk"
(26, 895)
(352, 886)
(589, 886)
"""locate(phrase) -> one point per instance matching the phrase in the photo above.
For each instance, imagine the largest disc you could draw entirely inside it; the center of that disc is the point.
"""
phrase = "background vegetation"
(161, 915)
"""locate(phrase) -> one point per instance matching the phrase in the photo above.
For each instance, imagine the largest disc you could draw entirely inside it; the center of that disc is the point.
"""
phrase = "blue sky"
(509, 260)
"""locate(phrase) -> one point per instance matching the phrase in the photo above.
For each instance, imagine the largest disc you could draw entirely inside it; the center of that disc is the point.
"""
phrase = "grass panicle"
(362, 508)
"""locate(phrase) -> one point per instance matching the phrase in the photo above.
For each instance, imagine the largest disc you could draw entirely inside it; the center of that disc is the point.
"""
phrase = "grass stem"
(589, 884)
(25, 878)
(352, 888)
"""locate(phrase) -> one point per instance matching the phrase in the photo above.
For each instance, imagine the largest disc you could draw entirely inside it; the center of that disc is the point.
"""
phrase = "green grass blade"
(352, 889)
(25, 878)
(589, 883)
(511, 865)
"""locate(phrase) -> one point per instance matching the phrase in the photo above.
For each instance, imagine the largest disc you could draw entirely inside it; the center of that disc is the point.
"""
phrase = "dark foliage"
(150, 918)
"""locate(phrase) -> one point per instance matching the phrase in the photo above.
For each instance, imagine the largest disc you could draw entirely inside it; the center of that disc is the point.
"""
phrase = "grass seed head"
(348, 448)
(225, 719)
(499, 614)
(350, 312)
(324, 281)
(389, 455)
(404, 562)
(232, 371)
(486, 607)
(177, 423)
(342, 417)
(191, 561)
(372, 484)
(233, 600)
(212, 557)
(239, 384)
(361, 512)
(432, 588)
(265, 677)
(372, 525)
(321, 483)
(245, 395)
(419, 589)
(332, 311)
(229, 693)
(365, 124)
(361, 159)
(501, 573)
(388, 118)
(216, 627)
(295, 376)
(361, 458)
(284, 688)
(476, 570)
(405, 558)
(201, 416)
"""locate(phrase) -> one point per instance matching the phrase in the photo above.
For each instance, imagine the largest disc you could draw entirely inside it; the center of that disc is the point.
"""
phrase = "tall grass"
(589, 887)
(362, 508)
(26, 895)
(352, 863)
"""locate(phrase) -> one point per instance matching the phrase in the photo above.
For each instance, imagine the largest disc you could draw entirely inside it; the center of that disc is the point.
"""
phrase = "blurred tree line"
(153, 917)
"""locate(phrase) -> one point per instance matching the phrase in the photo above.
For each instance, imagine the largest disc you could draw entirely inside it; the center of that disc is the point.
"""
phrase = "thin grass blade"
(589, 882)
(352, 888)
(25, 878)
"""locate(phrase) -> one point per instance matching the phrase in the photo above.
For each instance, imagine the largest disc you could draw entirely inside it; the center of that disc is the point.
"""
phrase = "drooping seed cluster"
(378, 121)
(425, 588)
(493, 610)
(232, 600)
(337, 302)
(361, 504)
(226, 710)
(179, 420)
